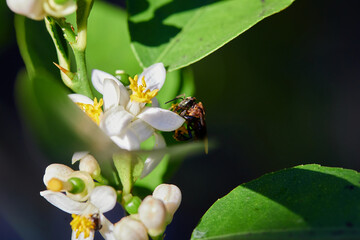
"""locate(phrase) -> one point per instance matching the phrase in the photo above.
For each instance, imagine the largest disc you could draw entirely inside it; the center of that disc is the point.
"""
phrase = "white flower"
(127, 119)
(38, 9)
(57, 178)
(87, 216)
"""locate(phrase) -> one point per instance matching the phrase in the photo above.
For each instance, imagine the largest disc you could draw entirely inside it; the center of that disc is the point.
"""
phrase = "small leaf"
(304, 202)
(181, 32)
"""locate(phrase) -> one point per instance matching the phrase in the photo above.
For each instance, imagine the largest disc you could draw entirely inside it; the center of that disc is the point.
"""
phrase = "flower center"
(81, 224)
(139, 92)
(93, 111)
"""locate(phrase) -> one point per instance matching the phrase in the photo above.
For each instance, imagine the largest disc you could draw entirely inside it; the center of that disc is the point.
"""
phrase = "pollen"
(139, 92)
(93, 111)
(55, 185)
(82, 224)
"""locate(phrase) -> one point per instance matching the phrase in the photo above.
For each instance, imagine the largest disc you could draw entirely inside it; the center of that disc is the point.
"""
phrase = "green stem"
(80, 84)
(123, 166)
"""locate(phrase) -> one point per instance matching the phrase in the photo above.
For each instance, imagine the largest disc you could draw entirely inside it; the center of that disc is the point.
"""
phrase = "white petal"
(78, 156)
(30, 8)
(154, 76)
(107, 228)
(161, 119)
(141, 129)
(111, 94)
(127, 140)
(59, 171)
(104, 198)
(115, 121)
(154, 158)
(124, 95)
(79, 98)
(134, 107)
(81, 236)
(63, 202)
(98, 77)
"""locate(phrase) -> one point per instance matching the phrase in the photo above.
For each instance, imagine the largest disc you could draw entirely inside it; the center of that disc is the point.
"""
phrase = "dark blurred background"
(284, 93)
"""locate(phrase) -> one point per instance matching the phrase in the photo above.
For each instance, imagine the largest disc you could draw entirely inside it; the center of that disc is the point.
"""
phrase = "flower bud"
(130, 229)
(152, 213)
(171, 196)
(90, 165)
(29, 8)
(38, 9)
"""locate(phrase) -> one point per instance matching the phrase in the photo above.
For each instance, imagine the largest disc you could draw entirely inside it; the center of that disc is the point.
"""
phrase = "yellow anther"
(139, 92)
(55, 185)
(82, 224)
(93, 111)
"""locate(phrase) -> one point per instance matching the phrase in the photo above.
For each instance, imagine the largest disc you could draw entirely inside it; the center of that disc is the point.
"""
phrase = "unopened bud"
(30, 8)
(152, 213)
(130, 229)
(90, 165)
(171, 196)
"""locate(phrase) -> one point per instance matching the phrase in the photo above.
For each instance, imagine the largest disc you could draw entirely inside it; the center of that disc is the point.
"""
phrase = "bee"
(95, 218)
(194, 114)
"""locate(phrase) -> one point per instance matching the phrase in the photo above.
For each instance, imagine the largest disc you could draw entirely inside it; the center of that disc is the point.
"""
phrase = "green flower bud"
(132, 205)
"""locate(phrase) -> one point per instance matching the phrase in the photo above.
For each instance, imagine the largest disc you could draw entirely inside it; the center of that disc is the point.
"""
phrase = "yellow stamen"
(55, 185)
(93, 111)
(81, 224)
(58, 185)
(139, 92)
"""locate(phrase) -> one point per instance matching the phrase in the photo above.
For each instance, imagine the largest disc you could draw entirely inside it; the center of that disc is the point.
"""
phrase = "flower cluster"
(75, 193)
(126, 116)
(38, 9)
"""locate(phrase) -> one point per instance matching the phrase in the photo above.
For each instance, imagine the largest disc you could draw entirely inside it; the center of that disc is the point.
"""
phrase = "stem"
(123, 165)
(80, 83)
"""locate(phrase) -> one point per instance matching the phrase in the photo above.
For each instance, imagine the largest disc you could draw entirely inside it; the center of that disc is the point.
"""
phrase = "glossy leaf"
(304, 202)
(181, 32)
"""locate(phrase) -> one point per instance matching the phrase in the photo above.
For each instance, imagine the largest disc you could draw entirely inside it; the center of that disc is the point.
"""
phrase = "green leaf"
(36, 47)
(304, 202)
(108, 47)
(181, 32)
